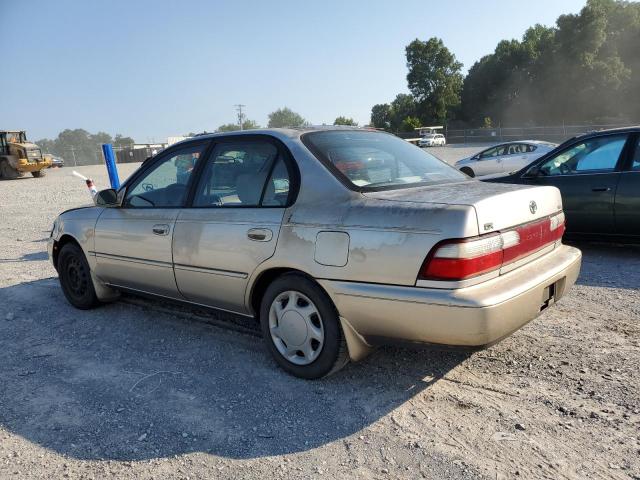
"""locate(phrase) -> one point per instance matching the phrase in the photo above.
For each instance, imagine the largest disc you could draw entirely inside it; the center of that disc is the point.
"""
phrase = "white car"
(504, 158)
(432, 140)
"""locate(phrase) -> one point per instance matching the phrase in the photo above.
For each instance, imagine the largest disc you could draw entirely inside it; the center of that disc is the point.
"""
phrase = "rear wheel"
(468, 171)
(7, 172)
(301, 328)
(39, 173)
(75, 277)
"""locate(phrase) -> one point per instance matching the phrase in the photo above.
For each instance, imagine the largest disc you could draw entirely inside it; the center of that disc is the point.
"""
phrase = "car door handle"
(601, 189)
(260, 234)
(160, 229)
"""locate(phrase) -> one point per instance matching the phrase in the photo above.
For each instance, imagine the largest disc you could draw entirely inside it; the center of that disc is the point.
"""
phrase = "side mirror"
(107, 198)
(533, 172)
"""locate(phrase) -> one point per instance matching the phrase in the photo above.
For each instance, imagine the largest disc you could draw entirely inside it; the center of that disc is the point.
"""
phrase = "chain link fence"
(74, 157)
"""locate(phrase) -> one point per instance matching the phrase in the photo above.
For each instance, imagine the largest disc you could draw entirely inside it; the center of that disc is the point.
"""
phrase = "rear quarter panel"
(388, 241)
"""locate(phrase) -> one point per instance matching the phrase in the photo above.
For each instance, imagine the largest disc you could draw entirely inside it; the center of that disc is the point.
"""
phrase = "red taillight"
(461, 259)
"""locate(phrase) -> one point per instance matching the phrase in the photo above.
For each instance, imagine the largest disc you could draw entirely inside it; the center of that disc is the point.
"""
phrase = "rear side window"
(243, 174)
(366, 160)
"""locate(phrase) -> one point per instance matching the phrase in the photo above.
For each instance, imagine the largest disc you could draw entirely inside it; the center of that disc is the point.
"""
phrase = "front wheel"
(75, 277)
(39, 173)
(301, 328)
(468, 171)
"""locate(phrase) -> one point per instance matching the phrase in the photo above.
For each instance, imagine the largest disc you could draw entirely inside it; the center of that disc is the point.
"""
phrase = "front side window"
(367, 160)
(635, 165)
(493, 152)
(165, 184)
(592, 155)
(244, 174)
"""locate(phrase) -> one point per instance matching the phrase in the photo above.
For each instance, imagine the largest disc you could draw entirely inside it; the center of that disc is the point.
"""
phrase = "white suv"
(432, 140)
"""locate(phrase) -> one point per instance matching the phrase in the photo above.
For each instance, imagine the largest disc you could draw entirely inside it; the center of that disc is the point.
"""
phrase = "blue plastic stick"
(110, 162)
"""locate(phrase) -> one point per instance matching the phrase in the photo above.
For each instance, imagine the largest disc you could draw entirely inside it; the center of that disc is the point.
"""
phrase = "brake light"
(454, 260)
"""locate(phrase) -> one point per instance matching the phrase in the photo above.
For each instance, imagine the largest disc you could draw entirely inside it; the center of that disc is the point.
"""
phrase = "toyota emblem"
(533, 206)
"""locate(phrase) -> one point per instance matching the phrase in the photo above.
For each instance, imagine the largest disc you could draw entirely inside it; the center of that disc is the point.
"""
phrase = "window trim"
(289, 161)
(634, 150)
(348, 184)
(162, 156)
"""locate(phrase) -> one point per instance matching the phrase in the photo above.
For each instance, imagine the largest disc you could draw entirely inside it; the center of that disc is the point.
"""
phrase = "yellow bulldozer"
(19, 156)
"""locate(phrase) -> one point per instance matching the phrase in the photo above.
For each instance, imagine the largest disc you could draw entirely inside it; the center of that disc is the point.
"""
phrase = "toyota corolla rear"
(446, 259)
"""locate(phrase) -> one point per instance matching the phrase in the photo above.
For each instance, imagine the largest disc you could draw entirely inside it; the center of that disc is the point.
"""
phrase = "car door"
(133, 241)
(233, 223)
(627, 199)
(586, 172)
(489, 161)
(516, 157)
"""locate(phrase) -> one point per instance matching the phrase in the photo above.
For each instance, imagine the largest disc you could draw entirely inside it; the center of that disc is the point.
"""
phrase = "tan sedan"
(335, 240)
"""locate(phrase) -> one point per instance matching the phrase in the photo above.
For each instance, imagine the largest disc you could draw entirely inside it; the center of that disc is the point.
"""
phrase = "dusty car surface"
(337, 240)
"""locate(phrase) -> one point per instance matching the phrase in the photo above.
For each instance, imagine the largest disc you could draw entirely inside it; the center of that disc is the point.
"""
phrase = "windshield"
(16, 137)
(367, 160)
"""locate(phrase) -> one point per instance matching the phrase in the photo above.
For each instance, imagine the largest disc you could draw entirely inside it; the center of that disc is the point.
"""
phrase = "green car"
(598, 175)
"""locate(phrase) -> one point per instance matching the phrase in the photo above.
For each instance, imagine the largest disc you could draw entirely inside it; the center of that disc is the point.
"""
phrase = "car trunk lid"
(497, 206)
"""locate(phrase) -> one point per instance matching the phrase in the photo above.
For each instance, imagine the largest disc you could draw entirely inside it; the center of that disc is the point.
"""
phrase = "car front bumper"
(24, 166)
(474, 316)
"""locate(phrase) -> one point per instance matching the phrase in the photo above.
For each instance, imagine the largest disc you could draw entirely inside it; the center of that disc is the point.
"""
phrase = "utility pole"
(73, 152)
(240, 114)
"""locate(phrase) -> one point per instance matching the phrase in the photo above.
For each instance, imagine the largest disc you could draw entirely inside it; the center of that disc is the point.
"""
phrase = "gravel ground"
(141, 389)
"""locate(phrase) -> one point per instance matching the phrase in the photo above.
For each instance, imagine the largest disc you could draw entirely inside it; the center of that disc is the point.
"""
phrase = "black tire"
(39, 173)
(334, 354)
(75, 277)
(468, 171)
(7, 172)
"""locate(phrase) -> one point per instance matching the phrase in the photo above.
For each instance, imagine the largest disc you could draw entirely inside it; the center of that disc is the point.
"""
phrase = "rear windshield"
(366, 160)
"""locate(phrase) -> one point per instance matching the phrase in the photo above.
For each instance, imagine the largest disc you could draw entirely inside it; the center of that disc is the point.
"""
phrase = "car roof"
(629, 129)
(292, 132)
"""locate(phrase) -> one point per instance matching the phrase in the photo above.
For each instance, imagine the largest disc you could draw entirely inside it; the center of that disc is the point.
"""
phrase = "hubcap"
(296, 327)
(76, 276)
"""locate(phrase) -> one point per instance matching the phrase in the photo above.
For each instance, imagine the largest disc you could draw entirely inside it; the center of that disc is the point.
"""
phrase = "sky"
(152, 69)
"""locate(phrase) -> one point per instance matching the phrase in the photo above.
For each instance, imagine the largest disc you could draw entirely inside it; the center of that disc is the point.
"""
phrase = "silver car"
(335, 240)
(504, 158)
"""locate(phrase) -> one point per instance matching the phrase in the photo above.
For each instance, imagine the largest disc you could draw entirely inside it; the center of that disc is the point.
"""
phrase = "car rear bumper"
(471, 317)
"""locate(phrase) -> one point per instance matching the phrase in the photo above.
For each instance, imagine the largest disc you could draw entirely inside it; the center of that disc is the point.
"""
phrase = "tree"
(285, 117)
(409, 124)
(121, 141)
(381, 116)
(345, 121)
(100, 138)
(585, 69)
(391, 116)
(403, 106)
(434, 78)
(232, 127)
(79, 146)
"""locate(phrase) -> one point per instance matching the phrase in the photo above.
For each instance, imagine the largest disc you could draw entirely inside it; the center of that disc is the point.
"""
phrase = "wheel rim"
(296, 327)
(76, 277)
